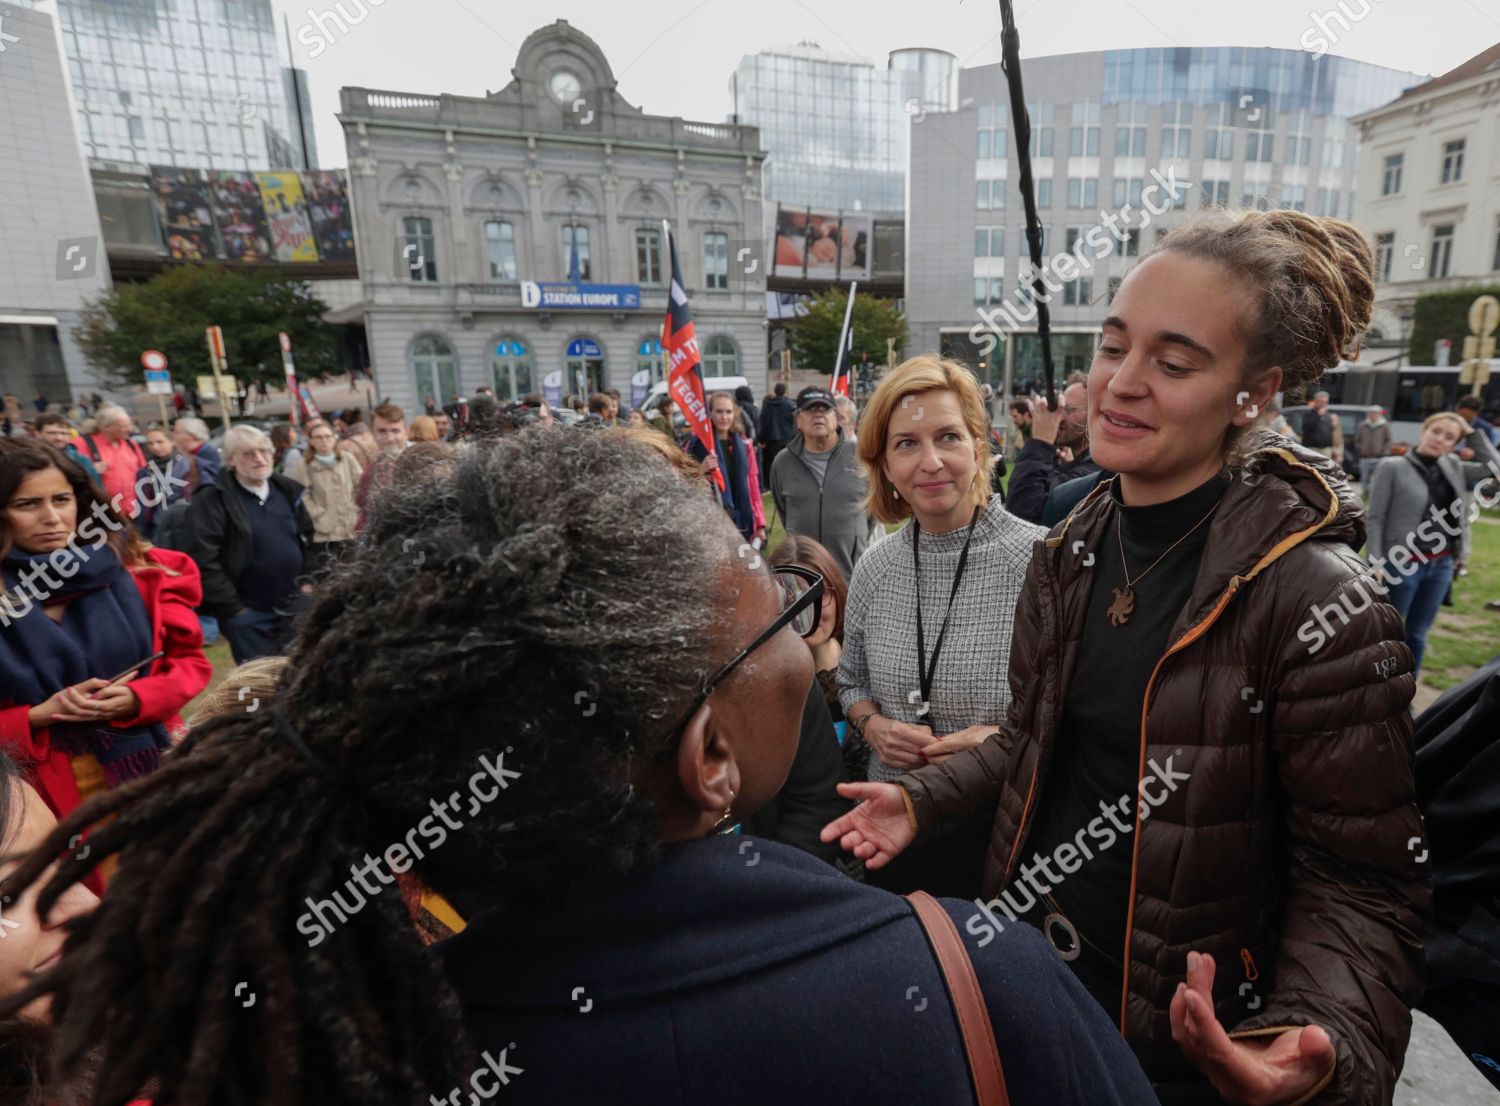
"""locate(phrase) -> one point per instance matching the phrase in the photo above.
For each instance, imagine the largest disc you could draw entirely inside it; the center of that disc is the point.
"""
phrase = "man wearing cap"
(817, 484)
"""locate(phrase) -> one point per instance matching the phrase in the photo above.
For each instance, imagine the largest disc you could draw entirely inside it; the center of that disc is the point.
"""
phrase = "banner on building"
(552, 388)
(578, 296)
(822, 246)
(287, 217)
(186, 210)
(240, 215)
(328, 206)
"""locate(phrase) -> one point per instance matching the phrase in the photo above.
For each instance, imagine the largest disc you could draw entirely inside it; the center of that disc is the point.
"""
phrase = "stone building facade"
(516, 240)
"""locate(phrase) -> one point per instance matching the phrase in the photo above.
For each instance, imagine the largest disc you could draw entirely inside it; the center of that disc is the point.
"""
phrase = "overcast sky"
(674, 57)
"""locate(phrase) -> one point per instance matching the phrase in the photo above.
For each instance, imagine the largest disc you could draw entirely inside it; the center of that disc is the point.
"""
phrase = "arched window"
(435, 369)
(512, 369)
(720, 357)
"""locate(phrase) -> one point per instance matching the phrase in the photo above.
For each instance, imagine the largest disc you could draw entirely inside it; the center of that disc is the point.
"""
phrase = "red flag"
(684, 377)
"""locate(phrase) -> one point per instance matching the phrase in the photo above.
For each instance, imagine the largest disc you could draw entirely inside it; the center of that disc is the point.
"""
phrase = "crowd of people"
(541, 771)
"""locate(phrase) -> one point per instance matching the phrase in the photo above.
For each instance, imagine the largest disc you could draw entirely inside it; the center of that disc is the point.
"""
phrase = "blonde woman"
(331, 476)
(928, 625)
(1419, 523)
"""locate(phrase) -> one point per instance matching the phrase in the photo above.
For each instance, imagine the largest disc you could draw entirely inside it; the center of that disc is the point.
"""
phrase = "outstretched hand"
(1259, 1071)
(877, 829)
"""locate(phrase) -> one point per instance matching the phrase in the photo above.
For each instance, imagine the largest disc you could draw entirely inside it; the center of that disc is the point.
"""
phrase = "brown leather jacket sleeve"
(1350, 956)
(943, 794)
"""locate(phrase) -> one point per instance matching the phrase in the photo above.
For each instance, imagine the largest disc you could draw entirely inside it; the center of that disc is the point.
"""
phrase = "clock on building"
(565, 87)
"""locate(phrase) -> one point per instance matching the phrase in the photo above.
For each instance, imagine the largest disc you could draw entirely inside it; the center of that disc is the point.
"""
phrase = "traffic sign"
(210, 385)
(216, 342)
(158, 382)
(153, 360)
(1484, 316)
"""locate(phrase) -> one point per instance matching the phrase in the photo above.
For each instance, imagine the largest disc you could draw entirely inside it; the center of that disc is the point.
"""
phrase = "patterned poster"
(182, 201)
(287, 217)
(241, 216)
(328, 205)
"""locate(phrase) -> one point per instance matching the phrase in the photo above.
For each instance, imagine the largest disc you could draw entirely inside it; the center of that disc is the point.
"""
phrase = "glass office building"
(835, 128)
(1228, 126)
(192, 83)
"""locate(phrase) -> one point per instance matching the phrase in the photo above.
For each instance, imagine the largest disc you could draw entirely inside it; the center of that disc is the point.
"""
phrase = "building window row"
(419, 252)
(513, 372)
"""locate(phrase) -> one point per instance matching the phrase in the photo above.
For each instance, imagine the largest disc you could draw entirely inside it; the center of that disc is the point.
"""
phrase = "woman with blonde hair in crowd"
(734, 458)
(1202, 800)
(423, 428)
(928, 625)
(1419, 518)
(331, 476)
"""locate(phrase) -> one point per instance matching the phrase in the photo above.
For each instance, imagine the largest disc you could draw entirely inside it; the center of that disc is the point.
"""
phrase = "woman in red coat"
(83, 599)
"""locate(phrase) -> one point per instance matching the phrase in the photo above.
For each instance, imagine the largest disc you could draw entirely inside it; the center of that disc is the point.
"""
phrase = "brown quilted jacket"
(1285, 854)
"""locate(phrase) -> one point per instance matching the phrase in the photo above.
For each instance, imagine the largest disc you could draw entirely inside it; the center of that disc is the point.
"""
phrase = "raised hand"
(877, 829)
(1257, 1071)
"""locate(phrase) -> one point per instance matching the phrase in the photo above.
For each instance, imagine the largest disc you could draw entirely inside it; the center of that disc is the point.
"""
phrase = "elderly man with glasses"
(1057, 452)
(249, 532)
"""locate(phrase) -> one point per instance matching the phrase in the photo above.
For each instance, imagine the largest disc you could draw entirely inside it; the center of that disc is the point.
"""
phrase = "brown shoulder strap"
(968, 1000)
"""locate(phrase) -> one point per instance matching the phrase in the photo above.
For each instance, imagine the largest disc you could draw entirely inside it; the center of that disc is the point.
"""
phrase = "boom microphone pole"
(1010, 62)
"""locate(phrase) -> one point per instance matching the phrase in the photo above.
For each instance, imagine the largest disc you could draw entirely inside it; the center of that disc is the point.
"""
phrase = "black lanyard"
(927, 670)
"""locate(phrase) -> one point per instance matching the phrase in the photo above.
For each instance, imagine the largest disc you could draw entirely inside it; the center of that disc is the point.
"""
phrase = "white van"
(711, 384)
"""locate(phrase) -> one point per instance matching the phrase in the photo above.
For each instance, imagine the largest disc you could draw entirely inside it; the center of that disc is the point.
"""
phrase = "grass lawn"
(1465, 635)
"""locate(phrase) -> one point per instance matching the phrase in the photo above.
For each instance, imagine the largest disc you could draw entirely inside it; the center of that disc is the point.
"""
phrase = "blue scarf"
(736, 494)
(104, 628)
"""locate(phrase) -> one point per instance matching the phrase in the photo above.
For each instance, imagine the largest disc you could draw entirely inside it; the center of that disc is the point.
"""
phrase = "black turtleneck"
(1097, 755)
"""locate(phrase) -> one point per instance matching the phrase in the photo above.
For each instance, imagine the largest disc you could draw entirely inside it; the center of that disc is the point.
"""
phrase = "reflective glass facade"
(178, 82)
(836, 129)
(1287, 80)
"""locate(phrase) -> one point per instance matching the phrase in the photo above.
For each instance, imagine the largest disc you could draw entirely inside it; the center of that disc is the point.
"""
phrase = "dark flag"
(684, 377)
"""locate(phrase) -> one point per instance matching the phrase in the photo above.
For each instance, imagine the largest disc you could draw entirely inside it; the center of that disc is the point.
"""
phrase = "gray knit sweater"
(879, 661)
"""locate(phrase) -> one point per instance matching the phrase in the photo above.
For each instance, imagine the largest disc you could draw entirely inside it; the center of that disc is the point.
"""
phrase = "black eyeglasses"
(801, 609)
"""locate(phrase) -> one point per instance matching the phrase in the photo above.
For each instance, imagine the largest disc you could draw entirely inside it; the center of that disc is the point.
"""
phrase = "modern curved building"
(1114, 133)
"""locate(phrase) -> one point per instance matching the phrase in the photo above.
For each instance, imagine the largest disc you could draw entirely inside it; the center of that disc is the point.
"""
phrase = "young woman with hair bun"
(1205, 808)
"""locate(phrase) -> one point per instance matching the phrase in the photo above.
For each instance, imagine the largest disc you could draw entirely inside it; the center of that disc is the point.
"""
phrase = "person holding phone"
(928, 624)
(84, 602)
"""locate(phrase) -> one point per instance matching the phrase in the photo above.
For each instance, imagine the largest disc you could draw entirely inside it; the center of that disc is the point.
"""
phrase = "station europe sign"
(576, 296)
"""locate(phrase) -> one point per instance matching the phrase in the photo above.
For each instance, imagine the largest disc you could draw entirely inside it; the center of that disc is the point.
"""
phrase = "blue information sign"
(576, 296)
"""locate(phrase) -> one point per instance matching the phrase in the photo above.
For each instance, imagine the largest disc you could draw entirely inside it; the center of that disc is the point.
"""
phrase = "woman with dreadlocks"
(1203, 790)
(593, 742)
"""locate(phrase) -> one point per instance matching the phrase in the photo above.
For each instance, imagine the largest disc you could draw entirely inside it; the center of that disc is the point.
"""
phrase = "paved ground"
(1438, 1074)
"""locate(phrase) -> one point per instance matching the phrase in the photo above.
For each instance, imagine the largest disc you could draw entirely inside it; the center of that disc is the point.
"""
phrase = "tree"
(1443, 315)
(172, 312)
(814, 338)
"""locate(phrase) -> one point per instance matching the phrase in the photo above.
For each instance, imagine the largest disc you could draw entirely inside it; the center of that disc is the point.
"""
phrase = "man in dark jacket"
(777, 427)
(817, 484)
(249, 533)
(1039, 467)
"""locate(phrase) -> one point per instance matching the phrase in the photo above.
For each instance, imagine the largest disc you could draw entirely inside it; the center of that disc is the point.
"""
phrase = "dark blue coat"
(740, 971)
